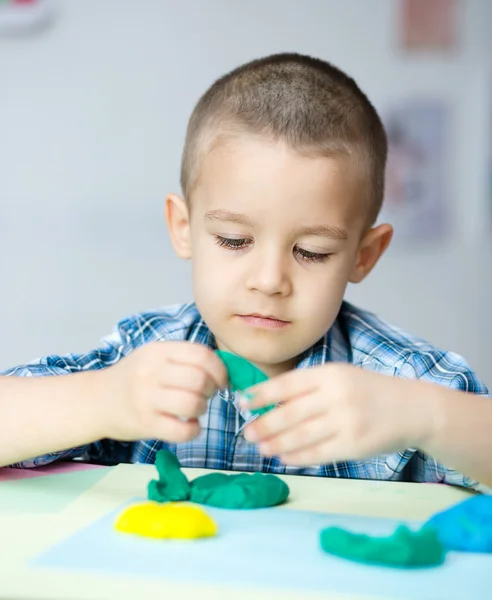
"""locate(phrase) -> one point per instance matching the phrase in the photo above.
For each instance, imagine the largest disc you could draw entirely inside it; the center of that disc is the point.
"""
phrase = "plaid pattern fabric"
(356, 337)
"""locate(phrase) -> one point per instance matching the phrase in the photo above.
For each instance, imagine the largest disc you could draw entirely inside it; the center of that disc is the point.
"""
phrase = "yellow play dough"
(166, 521)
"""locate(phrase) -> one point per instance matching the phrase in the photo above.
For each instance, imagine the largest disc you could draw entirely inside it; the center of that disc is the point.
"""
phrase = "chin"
(261, 347)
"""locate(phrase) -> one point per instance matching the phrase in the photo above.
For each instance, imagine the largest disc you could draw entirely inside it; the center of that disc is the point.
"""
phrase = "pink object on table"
(57, 468)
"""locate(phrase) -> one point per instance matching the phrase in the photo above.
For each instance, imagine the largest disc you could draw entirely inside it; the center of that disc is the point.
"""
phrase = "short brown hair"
(312, 106)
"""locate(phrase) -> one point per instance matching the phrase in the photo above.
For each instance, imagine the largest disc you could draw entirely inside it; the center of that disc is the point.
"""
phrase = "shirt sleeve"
(450, 370)
(111, 350)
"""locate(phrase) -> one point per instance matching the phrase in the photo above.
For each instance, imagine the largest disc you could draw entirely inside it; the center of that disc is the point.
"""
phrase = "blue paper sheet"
(269, 548)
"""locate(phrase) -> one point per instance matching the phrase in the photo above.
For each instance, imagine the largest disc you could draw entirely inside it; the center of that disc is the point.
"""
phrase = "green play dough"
(242, 375)
(243, 490)
(404, 548)
(257, 490)
(172, 485)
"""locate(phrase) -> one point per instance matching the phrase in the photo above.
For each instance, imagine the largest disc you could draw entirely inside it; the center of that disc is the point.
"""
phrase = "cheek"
(324, 288)
(212, 273)
(326, 294)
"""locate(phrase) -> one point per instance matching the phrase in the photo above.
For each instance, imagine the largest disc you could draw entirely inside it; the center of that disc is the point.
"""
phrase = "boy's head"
(283, 179)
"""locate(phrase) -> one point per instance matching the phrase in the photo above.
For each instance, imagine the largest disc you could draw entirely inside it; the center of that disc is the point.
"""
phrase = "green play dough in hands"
(258, 490)
(240, 491)
(172, 486)
(404, 548)
(242, 375)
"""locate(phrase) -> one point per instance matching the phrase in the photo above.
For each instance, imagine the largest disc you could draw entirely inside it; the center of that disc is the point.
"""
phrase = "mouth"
(265, 321)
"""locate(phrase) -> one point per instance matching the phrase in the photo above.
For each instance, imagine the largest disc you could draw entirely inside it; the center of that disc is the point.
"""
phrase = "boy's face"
(275, 237)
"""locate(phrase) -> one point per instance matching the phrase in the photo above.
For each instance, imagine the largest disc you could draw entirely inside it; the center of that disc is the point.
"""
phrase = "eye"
(312, 257)
(232, 243)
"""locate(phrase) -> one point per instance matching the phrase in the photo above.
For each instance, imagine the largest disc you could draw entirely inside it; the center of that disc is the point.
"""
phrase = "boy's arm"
(338, 412)
(41, 415)
(461, 413)
(51, 408)
(159, 392)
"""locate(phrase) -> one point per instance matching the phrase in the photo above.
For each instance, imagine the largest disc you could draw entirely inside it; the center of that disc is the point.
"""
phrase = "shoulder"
(380, 346)
(172, 322)
(371, 338)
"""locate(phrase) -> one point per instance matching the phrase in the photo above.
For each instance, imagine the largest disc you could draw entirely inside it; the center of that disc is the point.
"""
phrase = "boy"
(282, 179)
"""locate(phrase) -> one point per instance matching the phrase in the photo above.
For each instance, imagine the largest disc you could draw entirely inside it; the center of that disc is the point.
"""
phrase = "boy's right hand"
(159, 391)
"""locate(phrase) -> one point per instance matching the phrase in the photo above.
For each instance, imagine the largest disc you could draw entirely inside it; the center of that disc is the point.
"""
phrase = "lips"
(260, 316)
(262, 321)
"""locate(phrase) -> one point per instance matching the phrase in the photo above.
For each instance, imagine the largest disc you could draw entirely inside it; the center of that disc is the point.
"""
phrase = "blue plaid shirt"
(356, 337)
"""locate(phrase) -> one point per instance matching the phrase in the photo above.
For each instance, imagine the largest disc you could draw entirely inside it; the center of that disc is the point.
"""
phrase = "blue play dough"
(467, 526)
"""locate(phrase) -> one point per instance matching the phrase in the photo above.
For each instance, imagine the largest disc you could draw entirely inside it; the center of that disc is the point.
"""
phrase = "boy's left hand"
(336, 412)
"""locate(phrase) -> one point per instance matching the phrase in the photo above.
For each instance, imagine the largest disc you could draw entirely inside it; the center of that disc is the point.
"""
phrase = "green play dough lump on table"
(257, 490)
(404, 548)
(172, 486)
(240, 491)
(242, 375)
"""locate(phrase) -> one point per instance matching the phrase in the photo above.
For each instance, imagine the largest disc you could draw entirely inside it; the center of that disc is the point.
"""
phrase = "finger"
(285, 417)
(301, 436)
(172, 429)
(188, 377)
(335, 449)
(180, 403)
(332, 450)
(322, 453)
(201, 356)
(282, 388)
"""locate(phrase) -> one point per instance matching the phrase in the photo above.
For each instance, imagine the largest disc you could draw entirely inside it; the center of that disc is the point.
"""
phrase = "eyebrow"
(226, 216)
(334, 233)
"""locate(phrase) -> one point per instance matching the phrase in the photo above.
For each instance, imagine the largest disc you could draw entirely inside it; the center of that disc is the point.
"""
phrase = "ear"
(178, 224)
(371, 248)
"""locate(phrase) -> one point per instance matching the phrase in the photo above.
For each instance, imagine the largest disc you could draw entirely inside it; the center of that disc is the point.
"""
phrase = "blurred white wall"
(92, 119)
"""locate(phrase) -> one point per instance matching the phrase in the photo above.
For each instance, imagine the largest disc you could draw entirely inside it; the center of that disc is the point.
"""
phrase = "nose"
(269, 273)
